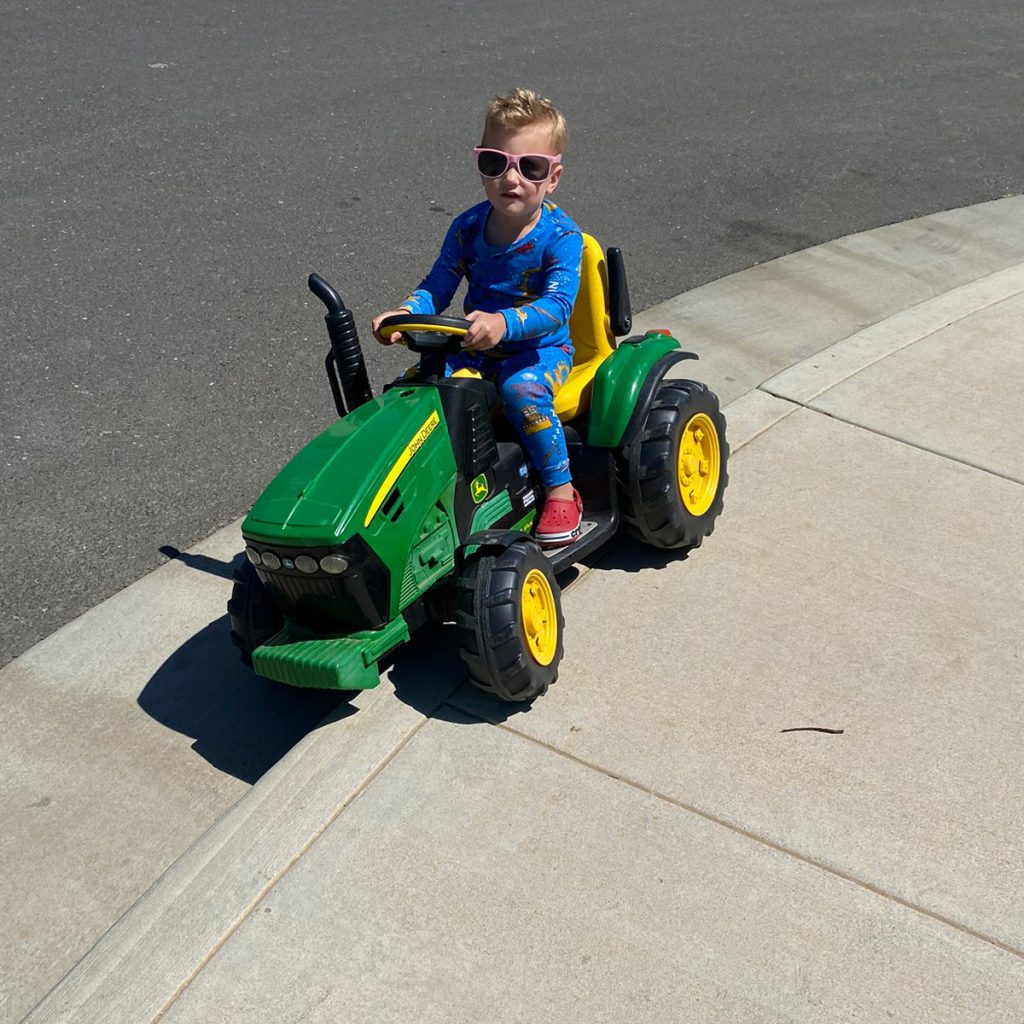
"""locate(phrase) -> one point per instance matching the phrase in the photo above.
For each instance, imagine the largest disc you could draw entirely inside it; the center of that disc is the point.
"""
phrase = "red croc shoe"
(561, 521)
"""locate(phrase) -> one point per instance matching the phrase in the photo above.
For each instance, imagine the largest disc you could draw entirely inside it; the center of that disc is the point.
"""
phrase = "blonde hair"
(523, 108)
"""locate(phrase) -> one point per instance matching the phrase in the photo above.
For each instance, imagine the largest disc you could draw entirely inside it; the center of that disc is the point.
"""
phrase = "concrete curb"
(137, 969)
(809, 379)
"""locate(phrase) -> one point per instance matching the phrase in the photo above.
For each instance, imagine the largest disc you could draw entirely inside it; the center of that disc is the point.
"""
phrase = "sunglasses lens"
(535, 168)
(491, 164)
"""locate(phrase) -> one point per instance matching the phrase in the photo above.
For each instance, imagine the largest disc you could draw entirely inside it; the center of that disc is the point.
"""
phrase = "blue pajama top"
(532, 282)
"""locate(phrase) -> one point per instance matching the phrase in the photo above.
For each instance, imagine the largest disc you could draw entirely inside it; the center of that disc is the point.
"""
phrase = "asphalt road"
(172, 172)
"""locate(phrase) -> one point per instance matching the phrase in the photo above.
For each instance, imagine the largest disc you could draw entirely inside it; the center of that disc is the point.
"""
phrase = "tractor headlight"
(305, 563)
(253, 555)
(334, 564)
(270, 560)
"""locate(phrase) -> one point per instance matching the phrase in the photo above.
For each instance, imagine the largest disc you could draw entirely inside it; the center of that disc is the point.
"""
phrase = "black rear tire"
(509, 620)
(672, 477)
(254, 616)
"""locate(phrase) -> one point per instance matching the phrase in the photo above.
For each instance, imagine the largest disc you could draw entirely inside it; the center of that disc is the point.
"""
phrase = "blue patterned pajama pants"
(527, 383)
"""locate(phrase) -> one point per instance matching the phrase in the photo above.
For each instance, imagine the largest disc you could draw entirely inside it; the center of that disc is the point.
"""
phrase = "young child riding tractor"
(520, 256)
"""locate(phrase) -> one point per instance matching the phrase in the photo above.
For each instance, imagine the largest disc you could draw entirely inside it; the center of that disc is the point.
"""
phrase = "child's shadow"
(242, 724)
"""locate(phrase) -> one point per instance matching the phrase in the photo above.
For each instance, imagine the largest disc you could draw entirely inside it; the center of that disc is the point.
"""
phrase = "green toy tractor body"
(416, 506)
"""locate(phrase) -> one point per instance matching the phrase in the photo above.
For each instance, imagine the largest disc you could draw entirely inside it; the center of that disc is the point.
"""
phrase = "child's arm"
(561, 285)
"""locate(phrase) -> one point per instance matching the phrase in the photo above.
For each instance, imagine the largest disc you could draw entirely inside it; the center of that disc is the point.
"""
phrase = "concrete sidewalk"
(648, 842)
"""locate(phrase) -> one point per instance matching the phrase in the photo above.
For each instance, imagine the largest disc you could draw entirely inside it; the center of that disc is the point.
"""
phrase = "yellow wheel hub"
(539, 617)
(699, 465)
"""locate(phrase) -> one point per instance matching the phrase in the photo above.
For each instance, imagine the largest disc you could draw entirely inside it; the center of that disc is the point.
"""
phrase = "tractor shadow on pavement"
(429, 676)
(202, 563)
(427, 670)
(428, 673)
(242, 724)
(626, 554)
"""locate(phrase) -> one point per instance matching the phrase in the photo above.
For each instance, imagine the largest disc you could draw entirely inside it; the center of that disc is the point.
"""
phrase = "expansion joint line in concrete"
(762, 427)
(712, 819)
(893, 437)
(293, 860)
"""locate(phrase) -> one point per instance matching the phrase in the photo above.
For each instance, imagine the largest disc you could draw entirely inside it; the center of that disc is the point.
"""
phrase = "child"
(521, 258)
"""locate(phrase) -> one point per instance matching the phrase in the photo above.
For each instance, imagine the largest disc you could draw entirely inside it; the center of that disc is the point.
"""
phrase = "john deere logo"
(478, 488)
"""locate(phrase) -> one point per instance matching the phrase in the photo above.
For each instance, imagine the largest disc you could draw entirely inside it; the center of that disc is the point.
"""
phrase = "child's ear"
(553, 180)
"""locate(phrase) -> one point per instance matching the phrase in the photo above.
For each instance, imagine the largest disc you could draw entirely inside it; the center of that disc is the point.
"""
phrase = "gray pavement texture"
(647, 842)
(171, 172)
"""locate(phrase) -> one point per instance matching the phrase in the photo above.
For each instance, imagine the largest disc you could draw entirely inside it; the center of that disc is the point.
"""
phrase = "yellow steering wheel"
(427, 334)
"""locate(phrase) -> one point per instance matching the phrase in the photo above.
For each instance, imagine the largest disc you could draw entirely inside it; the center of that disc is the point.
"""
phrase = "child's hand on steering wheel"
(486, 330)
(375, 325)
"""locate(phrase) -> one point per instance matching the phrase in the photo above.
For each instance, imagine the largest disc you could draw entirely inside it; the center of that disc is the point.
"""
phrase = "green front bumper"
(300, 658)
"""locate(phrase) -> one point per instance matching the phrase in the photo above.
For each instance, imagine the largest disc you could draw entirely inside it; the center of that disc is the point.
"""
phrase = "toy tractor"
(416, 506)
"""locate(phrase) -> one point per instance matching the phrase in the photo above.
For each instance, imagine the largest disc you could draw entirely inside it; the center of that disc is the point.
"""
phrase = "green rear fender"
(620, 385)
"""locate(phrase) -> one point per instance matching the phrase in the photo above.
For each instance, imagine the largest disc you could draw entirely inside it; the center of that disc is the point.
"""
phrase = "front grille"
(294, 589)
(356, 599)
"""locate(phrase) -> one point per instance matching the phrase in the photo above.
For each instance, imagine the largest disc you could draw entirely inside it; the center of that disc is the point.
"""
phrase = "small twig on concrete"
(814, 728)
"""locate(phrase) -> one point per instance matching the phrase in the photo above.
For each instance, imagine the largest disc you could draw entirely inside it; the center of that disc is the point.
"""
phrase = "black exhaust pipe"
(346, 368)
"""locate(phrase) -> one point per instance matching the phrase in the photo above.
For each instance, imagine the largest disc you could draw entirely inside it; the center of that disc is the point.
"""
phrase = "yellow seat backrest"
(591, 333)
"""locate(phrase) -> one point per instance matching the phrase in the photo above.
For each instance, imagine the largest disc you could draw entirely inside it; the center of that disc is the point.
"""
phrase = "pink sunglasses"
(535, 167)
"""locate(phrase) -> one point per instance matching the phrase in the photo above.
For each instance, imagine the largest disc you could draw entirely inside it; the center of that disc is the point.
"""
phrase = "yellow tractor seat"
(591, 333)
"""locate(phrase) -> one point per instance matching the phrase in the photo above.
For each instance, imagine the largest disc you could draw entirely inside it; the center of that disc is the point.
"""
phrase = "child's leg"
(466, 361)
(527, 384)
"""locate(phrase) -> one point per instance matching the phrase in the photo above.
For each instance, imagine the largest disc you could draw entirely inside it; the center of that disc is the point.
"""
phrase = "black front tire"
(672, 477)
(509, 620)
(254, 616)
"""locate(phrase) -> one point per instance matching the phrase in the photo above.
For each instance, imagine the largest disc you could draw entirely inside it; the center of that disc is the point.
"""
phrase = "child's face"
(513, 195)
